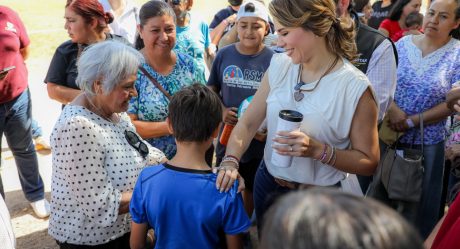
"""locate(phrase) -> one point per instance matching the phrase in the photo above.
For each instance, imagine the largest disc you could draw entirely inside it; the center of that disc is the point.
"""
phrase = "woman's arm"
(229, 38)
(247, 126)
(243, 133)
(90, 186)
(148, 129)
(124, 202)
(434, 115)
(363, 156)
(60, 93)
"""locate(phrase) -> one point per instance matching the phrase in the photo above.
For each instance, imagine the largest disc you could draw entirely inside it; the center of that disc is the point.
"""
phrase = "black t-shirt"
(63, 66)
(221, 15)
(379, 14)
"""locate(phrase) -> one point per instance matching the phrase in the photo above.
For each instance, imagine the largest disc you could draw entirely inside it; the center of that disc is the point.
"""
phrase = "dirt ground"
(44, 22)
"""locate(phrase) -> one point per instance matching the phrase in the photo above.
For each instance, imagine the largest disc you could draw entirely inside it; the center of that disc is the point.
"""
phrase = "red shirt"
(448, 236)
(13, 37)
(393, 28)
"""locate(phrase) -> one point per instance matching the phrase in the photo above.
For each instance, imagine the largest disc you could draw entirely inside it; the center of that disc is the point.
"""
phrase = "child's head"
(414, 21)
(195, 113)
(252, 23)
(327, 218)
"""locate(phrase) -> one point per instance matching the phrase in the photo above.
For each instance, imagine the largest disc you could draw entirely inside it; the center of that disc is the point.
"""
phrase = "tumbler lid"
(290, 115)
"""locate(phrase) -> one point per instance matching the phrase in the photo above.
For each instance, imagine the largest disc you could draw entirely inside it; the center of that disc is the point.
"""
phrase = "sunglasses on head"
(134, 140)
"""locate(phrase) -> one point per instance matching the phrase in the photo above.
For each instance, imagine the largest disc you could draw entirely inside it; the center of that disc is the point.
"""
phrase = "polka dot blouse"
(92, 165)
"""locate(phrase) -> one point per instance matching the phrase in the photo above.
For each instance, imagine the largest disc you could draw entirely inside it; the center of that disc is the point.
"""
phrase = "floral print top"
(152, 105)
(423, 83)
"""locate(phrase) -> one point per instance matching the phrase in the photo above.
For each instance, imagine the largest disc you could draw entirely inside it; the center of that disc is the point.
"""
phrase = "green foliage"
(44, 20)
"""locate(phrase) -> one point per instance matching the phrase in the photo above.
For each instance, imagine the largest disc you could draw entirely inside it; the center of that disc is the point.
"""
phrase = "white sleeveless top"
(328, 112)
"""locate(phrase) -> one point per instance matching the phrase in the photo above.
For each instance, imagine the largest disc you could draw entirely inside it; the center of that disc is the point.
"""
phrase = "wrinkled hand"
(230, 115)
(298, 144)
(457, 109)
(453, 152)
(227, 174)
(397, 119)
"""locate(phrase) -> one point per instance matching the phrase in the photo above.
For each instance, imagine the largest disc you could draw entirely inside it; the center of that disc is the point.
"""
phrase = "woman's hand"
(453, 151)
(397, 118)
(457, 109)
(230, 115)
(298, 144)
(227, 174)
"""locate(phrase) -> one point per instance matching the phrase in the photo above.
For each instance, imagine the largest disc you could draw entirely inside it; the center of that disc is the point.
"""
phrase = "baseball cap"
(259, 10)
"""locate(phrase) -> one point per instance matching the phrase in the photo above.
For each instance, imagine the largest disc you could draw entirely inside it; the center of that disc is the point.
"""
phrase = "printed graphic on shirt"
(187, 44)
(248, 79)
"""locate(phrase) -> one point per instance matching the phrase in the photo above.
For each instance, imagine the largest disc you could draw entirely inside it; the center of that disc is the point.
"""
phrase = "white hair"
(110, 62)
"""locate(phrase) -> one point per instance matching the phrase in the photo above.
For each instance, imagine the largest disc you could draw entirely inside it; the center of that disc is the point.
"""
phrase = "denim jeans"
(16, 124)
(423, 214)
(36, 129)
(266, 192)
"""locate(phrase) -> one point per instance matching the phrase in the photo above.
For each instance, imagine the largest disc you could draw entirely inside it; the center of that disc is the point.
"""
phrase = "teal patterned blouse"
(152, 105)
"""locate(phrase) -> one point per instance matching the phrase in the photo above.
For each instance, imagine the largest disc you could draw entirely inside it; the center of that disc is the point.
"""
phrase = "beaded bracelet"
(324, 154)
(231, 156)
(332, 155)
(232, 159)
(335, 159)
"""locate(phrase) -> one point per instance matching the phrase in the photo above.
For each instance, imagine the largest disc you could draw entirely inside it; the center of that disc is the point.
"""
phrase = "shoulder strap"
(422, 132)
(155, 82)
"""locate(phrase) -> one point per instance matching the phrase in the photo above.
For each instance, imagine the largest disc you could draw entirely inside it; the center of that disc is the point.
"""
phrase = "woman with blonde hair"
(338, 134)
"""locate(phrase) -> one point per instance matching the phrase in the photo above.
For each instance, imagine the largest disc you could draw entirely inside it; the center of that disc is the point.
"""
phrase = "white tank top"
(328, 112)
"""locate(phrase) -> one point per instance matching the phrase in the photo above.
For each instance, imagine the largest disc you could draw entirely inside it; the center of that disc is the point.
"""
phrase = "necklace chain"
(300, 83)
(99, 110)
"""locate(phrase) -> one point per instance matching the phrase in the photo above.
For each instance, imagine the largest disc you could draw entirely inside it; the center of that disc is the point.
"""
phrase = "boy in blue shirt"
(178, 199)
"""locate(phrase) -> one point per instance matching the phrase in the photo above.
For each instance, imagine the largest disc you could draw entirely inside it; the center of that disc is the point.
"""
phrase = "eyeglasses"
(137, 143)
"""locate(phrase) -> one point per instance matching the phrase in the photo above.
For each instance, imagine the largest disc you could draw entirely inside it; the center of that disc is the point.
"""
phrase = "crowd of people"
(172, 131)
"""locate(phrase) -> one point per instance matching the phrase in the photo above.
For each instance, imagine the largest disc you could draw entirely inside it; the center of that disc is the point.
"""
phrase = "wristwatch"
(410, 123)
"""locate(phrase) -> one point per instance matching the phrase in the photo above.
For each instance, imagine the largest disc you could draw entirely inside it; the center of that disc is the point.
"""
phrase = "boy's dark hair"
(414, 18)
(249, 7)
(195, 112)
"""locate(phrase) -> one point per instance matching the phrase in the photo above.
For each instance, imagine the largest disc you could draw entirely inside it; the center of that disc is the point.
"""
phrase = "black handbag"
(402, 170)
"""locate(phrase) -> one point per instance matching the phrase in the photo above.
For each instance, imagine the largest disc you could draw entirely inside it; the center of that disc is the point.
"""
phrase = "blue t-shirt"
(236, 77)
(152, 105)
(185, 209)
(193, 40)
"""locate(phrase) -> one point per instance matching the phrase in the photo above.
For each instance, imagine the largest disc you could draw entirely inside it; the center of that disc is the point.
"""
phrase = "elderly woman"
(338, 134)
(86, 23)
(170, 70)
(428, 67)
(97, 155)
